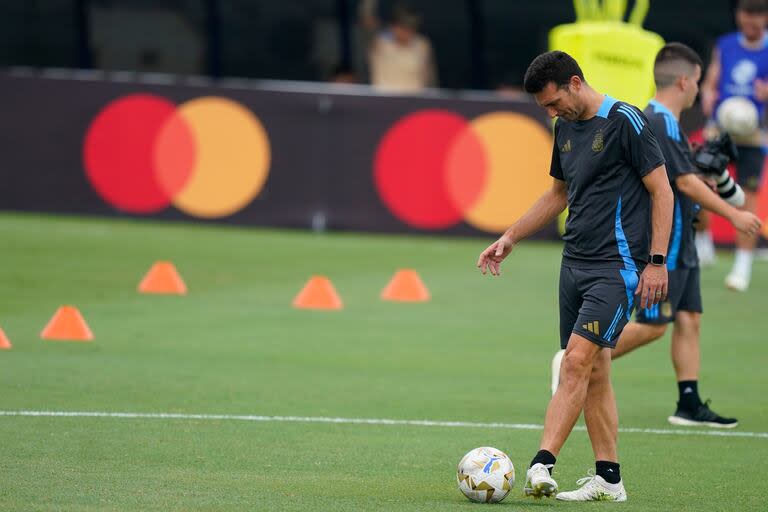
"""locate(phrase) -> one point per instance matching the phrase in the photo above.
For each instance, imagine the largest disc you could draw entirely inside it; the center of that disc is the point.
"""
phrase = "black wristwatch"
(657, 259)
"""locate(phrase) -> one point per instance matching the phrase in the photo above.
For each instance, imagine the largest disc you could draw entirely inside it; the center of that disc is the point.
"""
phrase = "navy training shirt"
(677, 153)
(602, 161)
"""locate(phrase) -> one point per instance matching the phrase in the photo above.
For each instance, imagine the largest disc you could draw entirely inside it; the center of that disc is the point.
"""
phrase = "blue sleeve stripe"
(677, 235)
(673, 129)
(636, 121)
(635, 115)
(621, 241)
(631, 120)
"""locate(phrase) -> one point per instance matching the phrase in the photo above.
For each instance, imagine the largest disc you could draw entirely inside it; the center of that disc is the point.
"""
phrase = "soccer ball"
(485, 475)
(737, 116)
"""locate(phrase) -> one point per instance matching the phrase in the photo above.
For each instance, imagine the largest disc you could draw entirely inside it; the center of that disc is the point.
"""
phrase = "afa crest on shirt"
(597, 143)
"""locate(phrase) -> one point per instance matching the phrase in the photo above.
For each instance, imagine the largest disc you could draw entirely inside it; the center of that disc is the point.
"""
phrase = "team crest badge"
(597, 143)
(666, 309)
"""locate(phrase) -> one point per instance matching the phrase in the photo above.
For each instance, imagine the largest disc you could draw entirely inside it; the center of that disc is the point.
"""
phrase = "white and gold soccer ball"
(738, 116)
(485, 475)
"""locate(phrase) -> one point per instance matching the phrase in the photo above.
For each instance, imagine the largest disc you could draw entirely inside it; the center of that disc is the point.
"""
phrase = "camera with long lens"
(712, 159)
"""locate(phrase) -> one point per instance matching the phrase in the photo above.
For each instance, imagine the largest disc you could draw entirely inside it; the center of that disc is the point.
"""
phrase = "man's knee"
(579, 359)
(688, 322)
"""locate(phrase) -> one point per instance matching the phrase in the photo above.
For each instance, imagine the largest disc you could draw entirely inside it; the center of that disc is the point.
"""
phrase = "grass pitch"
(479, 352)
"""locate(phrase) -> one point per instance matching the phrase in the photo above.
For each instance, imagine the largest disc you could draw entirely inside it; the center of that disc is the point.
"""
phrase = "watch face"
(657, 259)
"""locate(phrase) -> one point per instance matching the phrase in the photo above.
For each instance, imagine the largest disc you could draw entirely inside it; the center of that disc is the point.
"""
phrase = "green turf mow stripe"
(361, 421)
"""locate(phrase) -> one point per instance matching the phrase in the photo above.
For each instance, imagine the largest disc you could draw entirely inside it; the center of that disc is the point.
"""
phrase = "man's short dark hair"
(752, 6)
(404, 15)
(672, 61)
(557, 67)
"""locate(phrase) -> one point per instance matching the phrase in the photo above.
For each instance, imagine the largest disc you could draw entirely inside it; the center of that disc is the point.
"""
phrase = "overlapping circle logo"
(434, 168)
(209, 157)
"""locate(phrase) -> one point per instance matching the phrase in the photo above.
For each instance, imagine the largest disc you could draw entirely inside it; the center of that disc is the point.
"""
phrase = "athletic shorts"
(595, 303)
(684, 295)
(749, 167)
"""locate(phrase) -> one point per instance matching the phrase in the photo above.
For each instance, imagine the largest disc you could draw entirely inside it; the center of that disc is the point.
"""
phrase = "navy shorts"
(684, 295)
(749, 167)
(596, 303)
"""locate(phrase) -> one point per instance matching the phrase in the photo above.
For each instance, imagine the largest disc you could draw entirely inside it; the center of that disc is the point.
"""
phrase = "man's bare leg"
(602, 421)
(600, 413)
(636, 335)
(685, 347)
(567, 403)
(563, 411)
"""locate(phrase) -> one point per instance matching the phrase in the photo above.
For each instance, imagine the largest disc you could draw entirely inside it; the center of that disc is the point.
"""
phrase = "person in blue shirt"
(739, 67)
(677, 70)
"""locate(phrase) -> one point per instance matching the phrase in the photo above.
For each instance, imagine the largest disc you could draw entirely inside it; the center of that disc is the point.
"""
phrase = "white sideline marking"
(363, 421)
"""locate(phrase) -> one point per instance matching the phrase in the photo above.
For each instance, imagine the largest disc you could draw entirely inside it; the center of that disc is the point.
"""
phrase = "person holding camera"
(739, 67)
(677, 70)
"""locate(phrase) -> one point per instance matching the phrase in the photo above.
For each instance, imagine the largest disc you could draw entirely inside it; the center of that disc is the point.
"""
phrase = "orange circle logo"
(434, 168)
(209, 157)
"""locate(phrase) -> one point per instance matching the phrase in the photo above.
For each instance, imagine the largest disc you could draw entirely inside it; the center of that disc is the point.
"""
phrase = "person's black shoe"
(701, 416)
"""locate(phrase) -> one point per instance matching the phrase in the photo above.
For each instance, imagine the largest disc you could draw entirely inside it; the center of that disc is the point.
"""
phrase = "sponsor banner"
(313, 157)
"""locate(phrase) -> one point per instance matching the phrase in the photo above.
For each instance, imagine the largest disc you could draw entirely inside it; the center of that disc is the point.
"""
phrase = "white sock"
(705, 247)
(742, 264)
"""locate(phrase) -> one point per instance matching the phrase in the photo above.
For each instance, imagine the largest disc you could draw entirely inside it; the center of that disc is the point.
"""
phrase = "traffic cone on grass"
(318, 293)
(5, 343)
(406, 286)
(67, 324)
(164, 279)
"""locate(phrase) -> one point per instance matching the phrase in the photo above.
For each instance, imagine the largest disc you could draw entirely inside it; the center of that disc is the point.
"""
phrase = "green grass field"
(478, 352)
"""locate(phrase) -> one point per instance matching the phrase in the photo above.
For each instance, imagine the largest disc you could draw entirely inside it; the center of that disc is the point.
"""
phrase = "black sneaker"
(701, 416)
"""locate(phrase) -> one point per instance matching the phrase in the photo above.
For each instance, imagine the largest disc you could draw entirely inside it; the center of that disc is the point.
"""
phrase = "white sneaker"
(556, 362)
(539, 482)
(595, 488)
(737, 282)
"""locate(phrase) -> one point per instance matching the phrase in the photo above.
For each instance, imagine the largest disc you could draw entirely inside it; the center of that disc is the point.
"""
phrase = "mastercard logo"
(208, 157)
(434, 169)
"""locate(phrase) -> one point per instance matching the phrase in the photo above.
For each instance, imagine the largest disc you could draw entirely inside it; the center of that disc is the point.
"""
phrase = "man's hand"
(653, 285)
(491, 258)
(746, 222)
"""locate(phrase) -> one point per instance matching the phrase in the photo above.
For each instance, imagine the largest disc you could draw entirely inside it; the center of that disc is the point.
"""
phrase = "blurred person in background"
(400, 59)
(739, 67)
(509, 87)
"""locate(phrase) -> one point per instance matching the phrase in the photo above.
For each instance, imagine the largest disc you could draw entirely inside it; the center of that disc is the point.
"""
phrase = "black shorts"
(749, 167)
(684, 295)
(595, 303)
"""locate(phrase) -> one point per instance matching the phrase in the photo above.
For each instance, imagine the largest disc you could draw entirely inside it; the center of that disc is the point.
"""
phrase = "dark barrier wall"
(313, 156)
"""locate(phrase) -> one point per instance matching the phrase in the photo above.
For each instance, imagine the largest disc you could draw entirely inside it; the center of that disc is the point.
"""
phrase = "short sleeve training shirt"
(602, 161)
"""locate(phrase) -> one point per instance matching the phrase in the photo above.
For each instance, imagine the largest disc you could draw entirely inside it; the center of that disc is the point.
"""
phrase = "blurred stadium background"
(242, 141)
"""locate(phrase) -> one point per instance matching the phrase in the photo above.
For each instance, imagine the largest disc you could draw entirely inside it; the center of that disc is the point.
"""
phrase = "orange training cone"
(5, 343)
(67, 324)
(163, 278)
(318, 293)
(406, 286)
